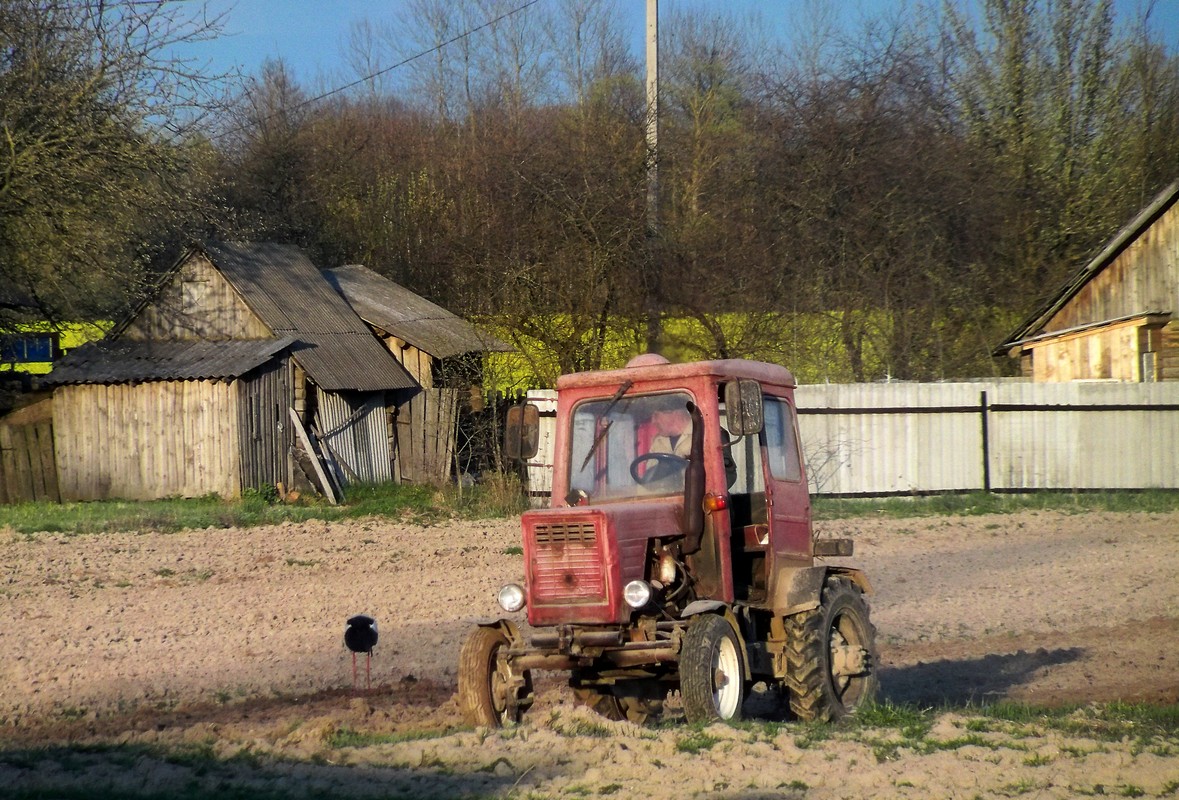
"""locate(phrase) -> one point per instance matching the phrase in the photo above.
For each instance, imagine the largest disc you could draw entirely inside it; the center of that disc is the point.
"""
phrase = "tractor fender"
(725, 611)
(702, 607)
(801, 588)
(508, 627)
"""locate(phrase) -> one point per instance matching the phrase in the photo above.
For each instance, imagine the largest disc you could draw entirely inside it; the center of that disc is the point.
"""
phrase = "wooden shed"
(1115, 320)
(205, 387)
(443, 353)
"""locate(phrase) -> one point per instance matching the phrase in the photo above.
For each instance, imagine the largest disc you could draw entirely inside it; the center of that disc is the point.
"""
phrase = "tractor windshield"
(630, 447)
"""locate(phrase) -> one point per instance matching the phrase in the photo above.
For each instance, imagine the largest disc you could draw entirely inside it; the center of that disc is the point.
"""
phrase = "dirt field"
(226, 646)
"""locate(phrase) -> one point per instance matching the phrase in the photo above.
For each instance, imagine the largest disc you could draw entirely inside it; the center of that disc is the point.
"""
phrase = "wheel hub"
(719, 679)
(848, 660)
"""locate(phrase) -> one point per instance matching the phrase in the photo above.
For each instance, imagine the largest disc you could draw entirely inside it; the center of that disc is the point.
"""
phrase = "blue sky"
(310, 35)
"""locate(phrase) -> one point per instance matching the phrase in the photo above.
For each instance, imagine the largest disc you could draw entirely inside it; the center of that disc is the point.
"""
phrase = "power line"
(386, 70)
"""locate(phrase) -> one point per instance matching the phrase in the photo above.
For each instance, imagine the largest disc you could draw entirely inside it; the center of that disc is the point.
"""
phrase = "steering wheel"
(666, 465)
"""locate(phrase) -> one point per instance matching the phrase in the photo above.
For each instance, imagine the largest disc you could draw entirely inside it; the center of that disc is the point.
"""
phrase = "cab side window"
(781, 442)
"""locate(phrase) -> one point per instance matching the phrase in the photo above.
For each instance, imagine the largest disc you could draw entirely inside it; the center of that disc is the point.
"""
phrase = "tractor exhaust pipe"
(692, 516)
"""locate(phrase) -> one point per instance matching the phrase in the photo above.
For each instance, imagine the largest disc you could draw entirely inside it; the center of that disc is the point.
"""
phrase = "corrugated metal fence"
(908, 438)
(875, 439)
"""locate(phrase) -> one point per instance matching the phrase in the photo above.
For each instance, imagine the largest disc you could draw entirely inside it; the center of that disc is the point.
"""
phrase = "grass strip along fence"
(497, 497)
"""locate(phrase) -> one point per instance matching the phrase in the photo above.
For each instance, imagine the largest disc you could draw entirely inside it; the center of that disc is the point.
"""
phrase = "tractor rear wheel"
(712, 671)
(831, 655)
(600, 702)
(639, 702)
(489, 692)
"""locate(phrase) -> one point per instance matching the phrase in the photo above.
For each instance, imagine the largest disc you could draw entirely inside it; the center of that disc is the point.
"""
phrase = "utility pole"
(653, 282)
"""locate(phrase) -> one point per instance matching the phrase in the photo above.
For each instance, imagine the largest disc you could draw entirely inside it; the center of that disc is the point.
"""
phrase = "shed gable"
(197, 303)
(1118, 318)
(1142, 278)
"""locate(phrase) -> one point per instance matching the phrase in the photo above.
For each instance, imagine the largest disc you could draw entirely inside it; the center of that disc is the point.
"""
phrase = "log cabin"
(1116, 318)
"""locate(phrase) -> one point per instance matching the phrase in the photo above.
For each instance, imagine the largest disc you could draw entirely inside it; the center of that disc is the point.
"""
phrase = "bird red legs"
(361, 637)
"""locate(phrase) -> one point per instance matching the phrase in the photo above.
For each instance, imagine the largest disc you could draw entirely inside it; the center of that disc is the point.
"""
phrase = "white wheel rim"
(726, 679)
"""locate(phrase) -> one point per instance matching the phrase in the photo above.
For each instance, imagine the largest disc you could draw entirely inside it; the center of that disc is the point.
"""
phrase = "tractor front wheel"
(712, 673)
(490, 693)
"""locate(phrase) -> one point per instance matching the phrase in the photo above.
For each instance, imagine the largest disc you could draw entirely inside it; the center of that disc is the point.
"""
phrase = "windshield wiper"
(605, 428)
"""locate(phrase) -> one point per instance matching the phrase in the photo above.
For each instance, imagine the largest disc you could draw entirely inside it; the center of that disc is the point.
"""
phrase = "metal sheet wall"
(353, 426)
(891, 438)
(1004, 435)
(1085, 436)
(540, 467)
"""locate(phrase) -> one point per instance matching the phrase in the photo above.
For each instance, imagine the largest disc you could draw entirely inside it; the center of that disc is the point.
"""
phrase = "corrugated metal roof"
(124, 361)
(281, 285)
(409, 316)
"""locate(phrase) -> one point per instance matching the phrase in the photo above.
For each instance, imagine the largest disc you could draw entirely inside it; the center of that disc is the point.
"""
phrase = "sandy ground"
(228, 643)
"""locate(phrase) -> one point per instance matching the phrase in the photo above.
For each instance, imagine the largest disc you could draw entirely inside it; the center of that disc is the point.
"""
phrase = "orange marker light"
(715, 502)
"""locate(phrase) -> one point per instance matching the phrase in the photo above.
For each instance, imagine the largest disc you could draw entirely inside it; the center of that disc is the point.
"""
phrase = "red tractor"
(677, 553)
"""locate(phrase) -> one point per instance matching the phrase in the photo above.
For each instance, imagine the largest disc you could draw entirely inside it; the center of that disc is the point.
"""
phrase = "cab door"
(787, 493)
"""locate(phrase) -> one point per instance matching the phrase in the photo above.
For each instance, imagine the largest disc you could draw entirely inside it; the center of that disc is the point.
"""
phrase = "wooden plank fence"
(426, 436)
(27, 468)
(1003, 436)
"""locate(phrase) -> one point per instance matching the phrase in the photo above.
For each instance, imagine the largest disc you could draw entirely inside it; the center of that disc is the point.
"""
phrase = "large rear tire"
(831, 655)
(489, 693)
(712, 671)
(601, 702)
(639, 702)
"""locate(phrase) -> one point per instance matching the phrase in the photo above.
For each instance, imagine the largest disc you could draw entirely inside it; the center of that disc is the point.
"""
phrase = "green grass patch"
(913, 723)
(497, 497)
(696, 742)
(346, 737)
(979, 503)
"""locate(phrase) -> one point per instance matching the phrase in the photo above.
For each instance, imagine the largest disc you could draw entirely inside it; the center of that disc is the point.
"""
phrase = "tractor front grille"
(560, 533)
(566, 563)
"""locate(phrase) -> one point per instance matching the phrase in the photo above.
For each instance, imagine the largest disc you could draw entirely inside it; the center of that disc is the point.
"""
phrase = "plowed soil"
(226, 645)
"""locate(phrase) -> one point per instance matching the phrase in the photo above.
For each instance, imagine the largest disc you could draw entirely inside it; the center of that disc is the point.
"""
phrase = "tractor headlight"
(637, 594)
(511, 597)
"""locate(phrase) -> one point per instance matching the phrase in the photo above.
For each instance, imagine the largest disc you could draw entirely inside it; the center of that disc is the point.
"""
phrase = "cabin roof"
(125, 361)
(281, 285)
(289, 295)
(408, 316)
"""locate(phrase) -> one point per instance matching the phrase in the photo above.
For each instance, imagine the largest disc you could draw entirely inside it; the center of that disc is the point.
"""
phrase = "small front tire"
(490, 694)
(712, 671)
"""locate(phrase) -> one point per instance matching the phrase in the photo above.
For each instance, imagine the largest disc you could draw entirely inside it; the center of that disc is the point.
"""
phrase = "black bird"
(361, 637)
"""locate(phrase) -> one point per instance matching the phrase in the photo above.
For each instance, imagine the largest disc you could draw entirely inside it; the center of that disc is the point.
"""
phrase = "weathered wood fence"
(1002, 436)
(27, 468)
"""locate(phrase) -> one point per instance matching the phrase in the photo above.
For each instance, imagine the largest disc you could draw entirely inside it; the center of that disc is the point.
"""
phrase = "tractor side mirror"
(743, 407)
(522, 432)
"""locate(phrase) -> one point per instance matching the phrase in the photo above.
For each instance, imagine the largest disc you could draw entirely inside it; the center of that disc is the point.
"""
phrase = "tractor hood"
(578, 559)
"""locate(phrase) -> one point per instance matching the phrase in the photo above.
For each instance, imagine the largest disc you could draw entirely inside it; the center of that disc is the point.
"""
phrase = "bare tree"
(99, 172)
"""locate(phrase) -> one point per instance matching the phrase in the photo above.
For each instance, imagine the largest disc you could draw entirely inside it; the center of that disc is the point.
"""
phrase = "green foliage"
(95, 179)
